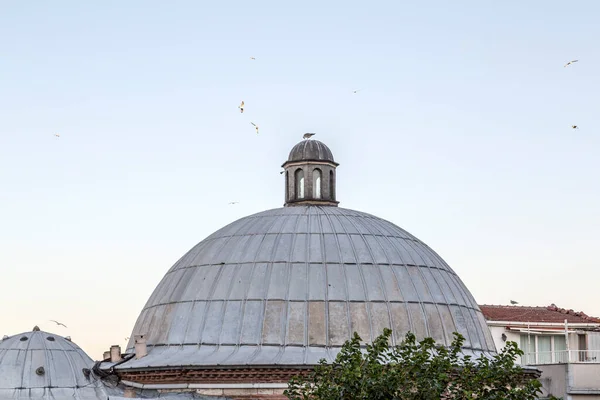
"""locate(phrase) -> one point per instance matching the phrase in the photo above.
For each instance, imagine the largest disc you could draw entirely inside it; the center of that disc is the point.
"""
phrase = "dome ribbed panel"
(62, 361)
(311, 150)
(289, 286)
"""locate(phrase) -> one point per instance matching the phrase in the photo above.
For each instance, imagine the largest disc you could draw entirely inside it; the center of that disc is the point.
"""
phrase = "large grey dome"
(310, 150)
(288, 286)
(44, 365)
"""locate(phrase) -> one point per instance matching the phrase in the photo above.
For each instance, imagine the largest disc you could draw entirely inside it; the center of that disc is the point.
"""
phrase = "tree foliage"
(414, 371)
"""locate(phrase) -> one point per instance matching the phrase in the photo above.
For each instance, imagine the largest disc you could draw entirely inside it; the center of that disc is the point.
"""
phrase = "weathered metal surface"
(288, 286)
(311, 150)
(44, 365)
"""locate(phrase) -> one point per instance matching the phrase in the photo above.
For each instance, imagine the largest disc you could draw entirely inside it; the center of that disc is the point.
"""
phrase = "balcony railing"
(561, 357)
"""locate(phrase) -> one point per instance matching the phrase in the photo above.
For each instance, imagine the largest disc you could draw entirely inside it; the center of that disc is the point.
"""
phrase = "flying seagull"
(255, 126)
(241, 107)
(574, 127)
(513, 302)
(57, 135)
(570, 62)
(308, 135)
(252, 58)
(356, 91)
(233, 202)
(58, 323)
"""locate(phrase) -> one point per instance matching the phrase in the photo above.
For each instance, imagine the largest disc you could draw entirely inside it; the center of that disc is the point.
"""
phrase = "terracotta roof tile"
(551, 313)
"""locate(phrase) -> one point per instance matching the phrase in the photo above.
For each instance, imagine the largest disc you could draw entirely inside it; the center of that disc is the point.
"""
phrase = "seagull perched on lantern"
(308, 135)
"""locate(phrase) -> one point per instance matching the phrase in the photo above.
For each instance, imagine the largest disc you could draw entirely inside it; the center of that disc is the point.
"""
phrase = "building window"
(299, 183)
(560, 349)
(543, 349)
(582, 343)
(528, 346)
(331, 185)
(287, 185)
(317, 183)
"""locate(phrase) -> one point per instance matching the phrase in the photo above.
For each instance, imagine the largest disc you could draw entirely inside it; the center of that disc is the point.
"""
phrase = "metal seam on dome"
(428, 285)
(207, 305)
(379, 275)
(209, 294)
(476, 324)
(437, 306)
(454, 319)
(271, 233)
(228, 293)
(419, 272)
(167, 346)
(285, 320)
(24, 364)
(316, 263)
(265, 297)
(227, 301)
(418, 295)
(47, 361)
(328, 215)
(325, 274)
(470, 314)
(408, 313)
(332, 301)
(289, 264)
(245, 301)
(264, 302)
(70, 361)
(364, 283)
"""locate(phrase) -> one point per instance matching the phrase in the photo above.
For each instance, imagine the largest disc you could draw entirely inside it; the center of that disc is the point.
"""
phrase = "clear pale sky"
(462, 135)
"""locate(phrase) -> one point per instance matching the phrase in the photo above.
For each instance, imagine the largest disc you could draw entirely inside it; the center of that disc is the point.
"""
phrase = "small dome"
(39, 364)
(310, 150)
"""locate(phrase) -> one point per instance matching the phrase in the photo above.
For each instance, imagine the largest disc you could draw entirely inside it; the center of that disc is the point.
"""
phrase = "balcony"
(561, 357)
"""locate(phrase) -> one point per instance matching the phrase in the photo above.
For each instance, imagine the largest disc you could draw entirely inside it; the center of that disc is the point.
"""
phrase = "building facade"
(563, 344)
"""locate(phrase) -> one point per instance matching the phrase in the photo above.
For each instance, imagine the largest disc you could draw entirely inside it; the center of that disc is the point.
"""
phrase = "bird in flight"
(513, 302)
(252, 58)
(574, 127)
(58, 323)
(57, 135)
(255, 126)
(356, 91)
(241, 107)
(233, 202)
(570, 62)
(308, 135)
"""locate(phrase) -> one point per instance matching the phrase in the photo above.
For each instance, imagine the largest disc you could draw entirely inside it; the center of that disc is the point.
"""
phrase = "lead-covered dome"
(44, 365)
(289, 286)
(310, 150)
